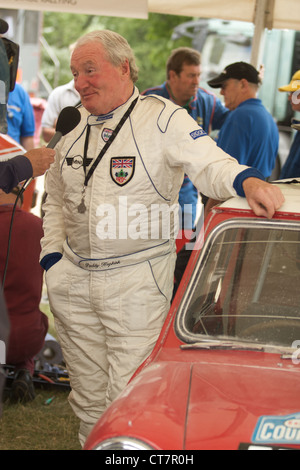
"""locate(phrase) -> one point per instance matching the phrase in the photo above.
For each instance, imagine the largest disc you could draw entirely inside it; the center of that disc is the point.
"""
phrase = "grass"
(40, 425)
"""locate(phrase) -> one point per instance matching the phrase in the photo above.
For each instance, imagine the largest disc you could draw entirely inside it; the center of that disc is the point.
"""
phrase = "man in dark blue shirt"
(250, 133)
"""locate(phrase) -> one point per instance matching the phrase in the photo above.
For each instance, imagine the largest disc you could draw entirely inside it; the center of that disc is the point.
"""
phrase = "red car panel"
(224, 373)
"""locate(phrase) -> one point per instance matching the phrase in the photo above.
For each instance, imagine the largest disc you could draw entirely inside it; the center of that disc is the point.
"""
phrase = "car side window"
(248, 287)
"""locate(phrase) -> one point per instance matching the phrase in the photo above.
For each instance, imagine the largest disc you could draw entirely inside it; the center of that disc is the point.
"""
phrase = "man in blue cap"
(249, 133)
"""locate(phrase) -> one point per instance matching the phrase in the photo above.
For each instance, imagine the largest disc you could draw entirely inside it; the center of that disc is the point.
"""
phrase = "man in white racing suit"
(109, 244)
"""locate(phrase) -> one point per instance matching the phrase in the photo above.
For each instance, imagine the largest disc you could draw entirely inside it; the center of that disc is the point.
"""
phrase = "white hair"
(116, 48)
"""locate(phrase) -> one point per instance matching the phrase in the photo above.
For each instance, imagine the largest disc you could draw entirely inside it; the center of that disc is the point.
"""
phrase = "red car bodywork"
(186, 398)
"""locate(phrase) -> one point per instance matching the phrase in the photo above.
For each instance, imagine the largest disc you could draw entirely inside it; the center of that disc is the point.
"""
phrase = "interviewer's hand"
(40, 159)
(263, 198)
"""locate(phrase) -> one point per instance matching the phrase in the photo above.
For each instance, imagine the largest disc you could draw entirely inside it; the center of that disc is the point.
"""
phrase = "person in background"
(183, 72)
(22, 292)
(291, 168)
(21, 128)
(250, 133)
(13, 171)
(20, 117)
(59, 98)
(110, 282)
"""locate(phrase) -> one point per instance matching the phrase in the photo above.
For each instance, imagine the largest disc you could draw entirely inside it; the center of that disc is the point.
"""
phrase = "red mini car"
(225, 372)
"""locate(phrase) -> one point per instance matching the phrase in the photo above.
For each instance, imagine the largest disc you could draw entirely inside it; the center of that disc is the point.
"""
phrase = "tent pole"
(263, 18)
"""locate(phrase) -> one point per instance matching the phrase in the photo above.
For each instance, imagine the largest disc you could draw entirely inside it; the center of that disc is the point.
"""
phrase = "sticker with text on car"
(277, 430)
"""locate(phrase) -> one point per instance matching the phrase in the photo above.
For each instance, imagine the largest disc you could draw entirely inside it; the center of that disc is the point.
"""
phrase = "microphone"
(67, 120)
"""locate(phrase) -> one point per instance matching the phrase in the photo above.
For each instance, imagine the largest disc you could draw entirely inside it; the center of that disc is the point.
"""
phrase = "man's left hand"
(263, 198)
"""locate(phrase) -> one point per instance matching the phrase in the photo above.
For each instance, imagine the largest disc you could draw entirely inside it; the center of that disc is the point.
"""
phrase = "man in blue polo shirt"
(182, 87)
(250, 133)
(20, 117)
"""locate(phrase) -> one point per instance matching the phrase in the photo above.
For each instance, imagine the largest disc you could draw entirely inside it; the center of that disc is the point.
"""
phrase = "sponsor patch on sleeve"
(198, 133)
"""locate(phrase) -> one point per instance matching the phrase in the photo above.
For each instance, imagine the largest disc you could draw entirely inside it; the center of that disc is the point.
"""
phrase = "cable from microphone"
(9, 240)
(67, 120)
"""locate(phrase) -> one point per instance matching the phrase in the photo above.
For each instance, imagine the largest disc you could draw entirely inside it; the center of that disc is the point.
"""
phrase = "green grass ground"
(42, 424)
(38, 425)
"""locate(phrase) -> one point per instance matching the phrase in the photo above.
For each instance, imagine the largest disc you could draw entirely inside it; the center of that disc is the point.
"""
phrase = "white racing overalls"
(111, 290)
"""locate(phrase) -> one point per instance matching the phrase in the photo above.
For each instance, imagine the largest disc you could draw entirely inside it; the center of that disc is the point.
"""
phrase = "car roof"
(291, 192)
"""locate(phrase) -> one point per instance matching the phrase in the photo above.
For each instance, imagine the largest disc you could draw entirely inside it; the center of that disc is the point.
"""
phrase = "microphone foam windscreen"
(68, 119)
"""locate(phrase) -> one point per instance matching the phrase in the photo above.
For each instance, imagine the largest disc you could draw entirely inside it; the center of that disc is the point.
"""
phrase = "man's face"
(231, 89)
(185, 85)
(102, 86)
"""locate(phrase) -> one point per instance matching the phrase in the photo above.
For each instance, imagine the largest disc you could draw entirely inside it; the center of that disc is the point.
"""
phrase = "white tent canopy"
(282, 14)
(276, 13)
(128, 8)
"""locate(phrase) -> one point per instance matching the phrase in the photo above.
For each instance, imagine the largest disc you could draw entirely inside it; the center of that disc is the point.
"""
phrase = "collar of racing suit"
(94, 120)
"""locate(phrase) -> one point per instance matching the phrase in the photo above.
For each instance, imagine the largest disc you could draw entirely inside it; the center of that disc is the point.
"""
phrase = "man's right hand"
(40, 159)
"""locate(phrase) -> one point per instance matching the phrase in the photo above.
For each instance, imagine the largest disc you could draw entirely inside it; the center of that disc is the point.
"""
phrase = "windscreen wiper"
(240, 346)
(224, 345)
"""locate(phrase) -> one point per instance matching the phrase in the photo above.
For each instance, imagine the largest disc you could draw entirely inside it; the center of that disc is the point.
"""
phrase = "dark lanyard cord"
(107, 145)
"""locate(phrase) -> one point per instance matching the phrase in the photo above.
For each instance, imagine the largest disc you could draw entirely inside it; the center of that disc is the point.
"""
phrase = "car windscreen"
(246, 286)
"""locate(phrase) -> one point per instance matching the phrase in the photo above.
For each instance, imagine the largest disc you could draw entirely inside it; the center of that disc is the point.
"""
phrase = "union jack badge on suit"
(122, 169)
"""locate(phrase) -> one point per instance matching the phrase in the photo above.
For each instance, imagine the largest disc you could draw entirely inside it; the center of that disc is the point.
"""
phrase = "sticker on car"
(249, 446)
(277, 430)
